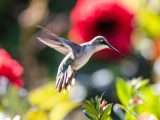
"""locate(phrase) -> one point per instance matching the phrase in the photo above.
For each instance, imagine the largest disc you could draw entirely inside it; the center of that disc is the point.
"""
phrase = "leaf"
(107, 112)
(93, 112)
(129, 116)
(61, 110)
(88, 115)
(35, 114)
(98, 101)
(141, 84)
(89, 107)
(93, 102)
(46, 97)
(151, 100)
(124, 91)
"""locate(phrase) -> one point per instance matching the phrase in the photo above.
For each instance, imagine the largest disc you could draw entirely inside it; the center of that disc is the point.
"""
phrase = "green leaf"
(93, 112)
(89, 107)
(93, 102)
(124, 91)
(139, 83)
(98, 101)
(142, 84)
(88, 115)
(107, 112)
(151, 100)
(129, 116)
(92, 107)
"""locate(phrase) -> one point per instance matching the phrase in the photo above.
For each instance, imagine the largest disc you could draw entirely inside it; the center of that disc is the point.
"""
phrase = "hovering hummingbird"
(76, 56)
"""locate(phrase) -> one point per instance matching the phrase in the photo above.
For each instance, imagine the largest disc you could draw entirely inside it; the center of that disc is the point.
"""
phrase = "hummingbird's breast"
(82, 58)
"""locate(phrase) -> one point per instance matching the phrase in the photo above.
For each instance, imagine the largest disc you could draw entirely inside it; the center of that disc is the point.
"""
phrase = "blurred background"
(28, 68)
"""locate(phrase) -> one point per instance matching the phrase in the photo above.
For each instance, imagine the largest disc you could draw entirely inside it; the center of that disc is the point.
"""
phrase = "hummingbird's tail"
(65, 78)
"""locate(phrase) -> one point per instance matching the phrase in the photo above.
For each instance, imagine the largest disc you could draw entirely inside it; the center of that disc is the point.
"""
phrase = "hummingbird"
(76, 56)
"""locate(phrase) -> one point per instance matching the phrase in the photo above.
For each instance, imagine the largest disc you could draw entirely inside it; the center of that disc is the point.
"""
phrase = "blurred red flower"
(10, 68)
(90, 18)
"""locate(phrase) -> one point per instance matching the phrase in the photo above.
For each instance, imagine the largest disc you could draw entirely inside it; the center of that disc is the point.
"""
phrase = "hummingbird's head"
(100, 42)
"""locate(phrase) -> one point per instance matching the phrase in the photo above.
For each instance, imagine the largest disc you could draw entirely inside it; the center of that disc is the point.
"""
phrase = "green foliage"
(96, 109)
(107, 112)
(122, 88)
(129, 116)
(138, 99)
(13, 102)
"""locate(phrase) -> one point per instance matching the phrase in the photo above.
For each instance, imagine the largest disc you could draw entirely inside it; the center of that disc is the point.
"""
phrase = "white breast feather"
(82, 59)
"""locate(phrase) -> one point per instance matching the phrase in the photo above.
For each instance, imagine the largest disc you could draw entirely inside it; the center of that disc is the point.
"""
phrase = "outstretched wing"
(60, 44)
(53, 44)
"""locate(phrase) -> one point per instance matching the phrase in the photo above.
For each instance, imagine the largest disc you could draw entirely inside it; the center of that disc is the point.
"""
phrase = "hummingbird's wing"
(60, 44)
(53, 44)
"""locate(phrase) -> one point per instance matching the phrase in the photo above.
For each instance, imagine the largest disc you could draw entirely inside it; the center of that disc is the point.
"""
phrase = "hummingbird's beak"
(114, 49)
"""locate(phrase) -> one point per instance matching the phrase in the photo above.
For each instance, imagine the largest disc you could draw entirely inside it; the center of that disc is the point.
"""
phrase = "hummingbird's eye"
(103, 42)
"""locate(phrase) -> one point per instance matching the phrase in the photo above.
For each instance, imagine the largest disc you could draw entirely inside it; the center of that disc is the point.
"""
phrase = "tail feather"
(64, 79)
(60, 82)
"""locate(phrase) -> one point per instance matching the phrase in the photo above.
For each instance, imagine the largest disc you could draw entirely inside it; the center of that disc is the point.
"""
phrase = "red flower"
(10, 68)
(90, 18)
